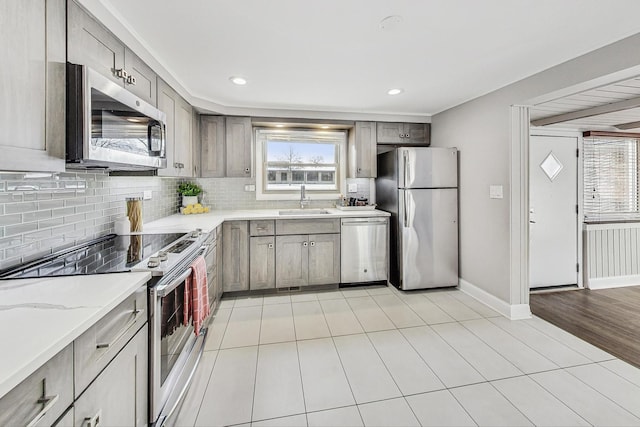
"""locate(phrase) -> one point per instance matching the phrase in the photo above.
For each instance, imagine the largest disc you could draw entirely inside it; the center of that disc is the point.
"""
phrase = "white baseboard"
(510, 311)
(613, 282)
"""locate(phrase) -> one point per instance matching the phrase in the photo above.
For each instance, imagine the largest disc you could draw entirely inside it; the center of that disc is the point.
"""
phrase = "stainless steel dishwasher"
(364, 250)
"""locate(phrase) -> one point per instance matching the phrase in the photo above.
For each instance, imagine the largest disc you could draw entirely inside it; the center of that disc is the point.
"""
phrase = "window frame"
(294, 194)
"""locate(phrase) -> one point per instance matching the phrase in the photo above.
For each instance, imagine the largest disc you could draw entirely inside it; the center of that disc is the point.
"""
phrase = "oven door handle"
(163, 290)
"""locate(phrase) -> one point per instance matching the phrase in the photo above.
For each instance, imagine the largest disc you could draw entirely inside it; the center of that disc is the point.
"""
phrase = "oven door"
(175, 351)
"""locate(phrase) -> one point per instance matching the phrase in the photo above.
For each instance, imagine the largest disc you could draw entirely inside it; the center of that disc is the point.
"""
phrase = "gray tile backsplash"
(228, 193)
(42, 212)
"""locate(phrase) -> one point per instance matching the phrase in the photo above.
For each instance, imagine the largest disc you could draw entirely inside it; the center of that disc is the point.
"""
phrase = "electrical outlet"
(495, 192)
(249, 187)
(352, 188)
(147, 195)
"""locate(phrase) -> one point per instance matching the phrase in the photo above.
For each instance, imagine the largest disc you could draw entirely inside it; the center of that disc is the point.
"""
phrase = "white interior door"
(553, 216)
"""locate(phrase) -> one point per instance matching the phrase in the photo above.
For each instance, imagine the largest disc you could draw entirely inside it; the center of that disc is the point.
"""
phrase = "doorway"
(554, 249)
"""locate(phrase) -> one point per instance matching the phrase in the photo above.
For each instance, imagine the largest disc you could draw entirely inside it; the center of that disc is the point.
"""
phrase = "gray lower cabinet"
(324, 259)
(118, 396)
(307, 259)
(235, 253)
(292, 261)
(44, 395)
(262, 263)
(32, 84)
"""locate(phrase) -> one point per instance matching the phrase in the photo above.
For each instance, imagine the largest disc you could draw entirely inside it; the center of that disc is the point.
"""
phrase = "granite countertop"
(209, 221)
(42, 316)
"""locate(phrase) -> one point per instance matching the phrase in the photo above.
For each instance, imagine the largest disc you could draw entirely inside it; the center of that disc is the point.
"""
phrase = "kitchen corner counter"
(179, 223)
(42, 316)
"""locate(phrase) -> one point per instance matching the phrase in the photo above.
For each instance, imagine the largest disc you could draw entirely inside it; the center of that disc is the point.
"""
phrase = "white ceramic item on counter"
(122, 226)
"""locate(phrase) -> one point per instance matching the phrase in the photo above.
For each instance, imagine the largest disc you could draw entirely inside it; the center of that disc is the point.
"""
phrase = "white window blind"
(610, 179)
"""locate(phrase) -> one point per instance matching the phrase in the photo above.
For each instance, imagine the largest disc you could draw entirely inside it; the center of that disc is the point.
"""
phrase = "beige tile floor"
(376, 356)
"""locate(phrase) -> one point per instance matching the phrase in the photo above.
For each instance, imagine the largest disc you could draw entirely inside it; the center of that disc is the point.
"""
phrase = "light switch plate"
(249, 187)
(495, 192)
(147, 194)
(352, 188)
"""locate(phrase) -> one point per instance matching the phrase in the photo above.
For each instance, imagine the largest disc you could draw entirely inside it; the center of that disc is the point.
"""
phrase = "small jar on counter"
(134, 212)
(122, 226)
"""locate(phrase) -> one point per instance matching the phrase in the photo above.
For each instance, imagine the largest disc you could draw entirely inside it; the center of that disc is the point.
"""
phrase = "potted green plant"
(190, 192)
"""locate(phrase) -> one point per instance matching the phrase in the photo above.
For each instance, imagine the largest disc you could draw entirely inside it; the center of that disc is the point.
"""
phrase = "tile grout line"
(255, 378)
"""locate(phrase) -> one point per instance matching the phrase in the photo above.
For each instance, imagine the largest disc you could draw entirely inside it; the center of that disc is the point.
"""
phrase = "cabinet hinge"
(578, 268)
(577, 152)
(577, 209)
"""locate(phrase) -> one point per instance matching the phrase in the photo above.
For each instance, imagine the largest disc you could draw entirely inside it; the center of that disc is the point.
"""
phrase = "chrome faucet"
(304, 201)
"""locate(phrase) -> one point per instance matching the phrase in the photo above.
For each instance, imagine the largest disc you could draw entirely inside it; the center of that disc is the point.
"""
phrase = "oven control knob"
(196, 233)
(153, 262)
(162, 256)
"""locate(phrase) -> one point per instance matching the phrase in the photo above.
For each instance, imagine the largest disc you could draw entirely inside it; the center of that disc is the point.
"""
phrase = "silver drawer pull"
(48, 402)
(304, 244)
(137, 313)
(313, 243)
(270, 246)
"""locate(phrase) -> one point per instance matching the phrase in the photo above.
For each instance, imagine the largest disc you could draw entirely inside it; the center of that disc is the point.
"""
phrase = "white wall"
(481, 129)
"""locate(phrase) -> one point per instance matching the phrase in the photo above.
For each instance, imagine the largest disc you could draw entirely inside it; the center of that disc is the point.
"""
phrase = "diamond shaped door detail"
(551, 166)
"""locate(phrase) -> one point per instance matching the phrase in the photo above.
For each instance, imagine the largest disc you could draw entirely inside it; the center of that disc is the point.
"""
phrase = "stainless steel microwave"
(109, 127)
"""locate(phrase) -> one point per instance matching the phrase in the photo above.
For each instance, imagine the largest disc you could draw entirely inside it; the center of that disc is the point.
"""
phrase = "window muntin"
(611, 190)
(291, 158)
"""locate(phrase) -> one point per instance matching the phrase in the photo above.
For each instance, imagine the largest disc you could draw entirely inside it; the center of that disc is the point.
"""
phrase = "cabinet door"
(32, 84)
(167, 99)
(118, 396)
(238, 146)
(219, 260)
(91, 44)
(262, 263)
(211, 146)
(416, 133)
(324, 259)
(362, 151)
(145, 85)
(389, 133)
(235, 254)
(292, 261)
(183, 145)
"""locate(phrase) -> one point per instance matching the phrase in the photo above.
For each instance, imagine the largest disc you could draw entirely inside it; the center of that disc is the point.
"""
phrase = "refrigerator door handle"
(406, 168)
(405, 214)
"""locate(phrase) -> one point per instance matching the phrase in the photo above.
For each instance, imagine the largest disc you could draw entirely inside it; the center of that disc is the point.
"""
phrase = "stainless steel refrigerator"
(419, 187)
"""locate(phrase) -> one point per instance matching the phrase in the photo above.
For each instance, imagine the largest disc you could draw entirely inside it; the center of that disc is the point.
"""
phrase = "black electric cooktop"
(108, 254)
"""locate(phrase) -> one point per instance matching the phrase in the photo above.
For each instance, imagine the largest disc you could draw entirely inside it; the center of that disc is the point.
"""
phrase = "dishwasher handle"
(364, 221)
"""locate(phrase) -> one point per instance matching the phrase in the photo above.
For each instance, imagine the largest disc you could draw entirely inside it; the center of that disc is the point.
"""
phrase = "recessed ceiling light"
(396, 91)
(236, 80)
(279, 126)
(325, 127)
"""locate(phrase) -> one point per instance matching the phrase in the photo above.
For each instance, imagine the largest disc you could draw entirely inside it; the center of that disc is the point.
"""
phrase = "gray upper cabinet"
(225, 146)
(32, 84)
(324, 259)
(238, 146)
(179, 132)
(262, 263)
(90, 43)
(235, 254)
(362, 151)
(212, 146)
(404, 133)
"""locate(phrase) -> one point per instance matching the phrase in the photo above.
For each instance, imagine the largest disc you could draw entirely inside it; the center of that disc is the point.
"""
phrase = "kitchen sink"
(304, 212)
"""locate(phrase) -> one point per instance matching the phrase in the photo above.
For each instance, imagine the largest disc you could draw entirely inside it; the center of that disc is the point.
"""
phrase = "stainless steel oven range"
(174, 348)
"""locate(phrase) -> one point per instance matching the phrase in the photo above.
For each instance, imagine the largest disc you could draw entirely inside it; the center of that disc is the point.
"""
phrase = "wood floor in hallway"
(606, 318)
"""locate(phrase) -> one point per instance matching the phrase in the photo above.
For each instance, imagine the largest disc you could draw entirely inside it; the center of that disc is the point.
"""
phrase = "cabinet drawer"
(307, 226)
(47, 392)
(261, 228)
(94, 349)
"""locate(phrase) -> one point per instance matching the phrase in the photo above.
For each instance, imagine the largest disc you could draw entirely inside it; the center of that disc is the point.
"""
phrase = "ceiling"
(332, 55)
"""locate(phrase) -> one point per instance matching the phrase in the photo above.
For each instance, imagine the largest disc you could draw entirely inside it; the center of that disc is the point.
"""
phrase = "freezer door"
(428, 238)
(424, 167)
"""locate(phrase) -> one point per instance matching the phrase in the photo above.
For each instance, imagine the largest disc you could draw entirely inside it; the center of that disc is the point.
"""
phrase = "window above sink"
(287, 159)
